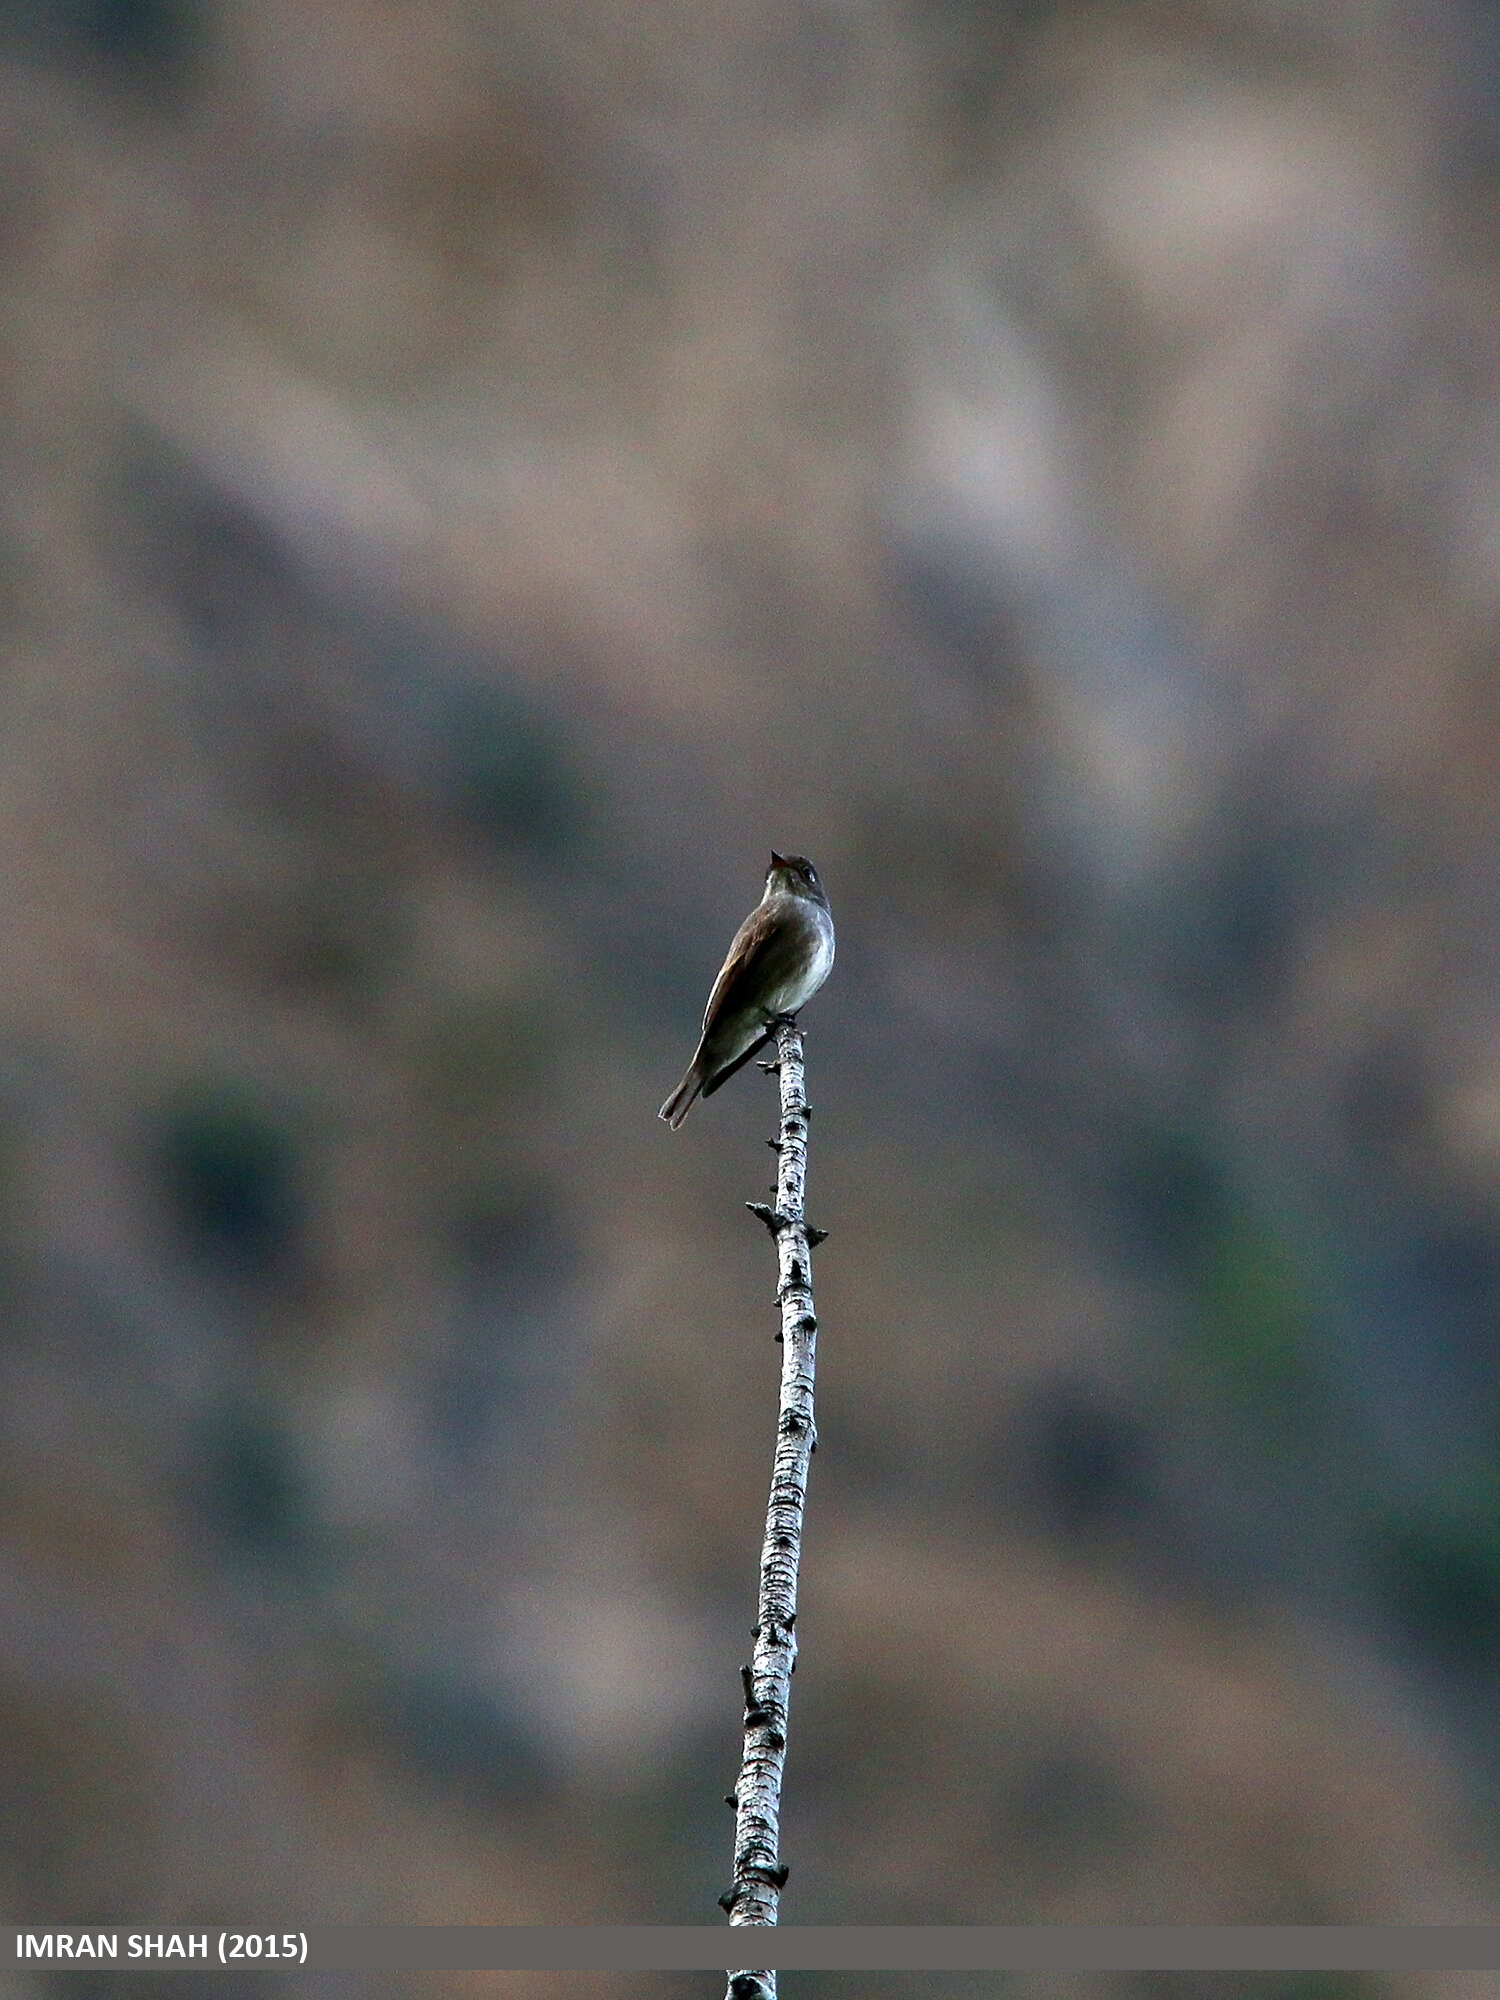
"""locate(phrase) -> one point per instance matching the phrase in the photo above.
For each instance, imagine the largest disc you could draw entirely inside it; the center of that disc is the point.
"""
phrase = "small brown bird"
(781, 955)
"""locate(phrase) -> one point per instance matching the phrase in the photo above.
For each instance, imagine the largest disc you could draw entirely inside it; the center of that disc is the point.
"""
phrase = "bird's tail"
(676, 1107)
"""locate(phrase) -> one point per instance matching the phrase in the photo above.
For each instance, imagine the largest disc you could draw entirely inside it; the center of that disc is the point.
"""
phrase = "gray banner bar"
(803, 1948)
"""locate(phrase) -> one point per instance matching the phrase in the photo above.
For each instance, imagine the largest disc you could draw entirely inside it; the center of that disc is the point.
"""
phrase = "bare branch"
(759, 1873)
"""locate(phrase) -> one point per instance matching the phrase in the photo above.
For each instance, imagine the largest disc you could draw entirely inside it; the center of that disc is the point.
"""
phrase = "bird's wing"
(756, 943)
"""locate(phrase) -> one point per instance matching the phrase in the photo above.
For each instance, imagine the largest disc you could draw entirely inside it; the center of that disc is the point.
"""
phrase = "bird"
(780, 956)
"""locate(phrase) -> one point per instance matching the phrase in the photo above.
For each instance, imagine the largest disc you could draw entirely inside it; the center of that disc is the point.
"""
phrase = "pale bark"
(754, 1895)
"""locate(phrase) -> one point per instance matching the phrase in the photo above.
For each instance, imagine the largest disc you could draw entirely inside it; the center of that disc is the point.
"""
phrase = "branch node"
(815, 1236)
(771, 1217)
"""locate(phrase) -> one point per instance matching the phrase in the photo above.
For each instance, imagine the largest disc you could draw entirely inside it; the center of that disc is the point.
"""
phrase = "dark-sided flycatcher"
(781, 955)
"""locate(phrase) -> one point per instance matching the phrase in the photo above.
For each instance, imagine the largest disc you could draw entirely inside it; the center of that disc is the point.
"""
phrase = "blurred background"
(475, 477)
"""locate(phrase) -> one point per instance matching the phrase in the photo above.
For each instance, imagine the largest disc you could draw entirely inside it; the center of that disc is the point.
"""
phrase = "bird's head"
(793, 875)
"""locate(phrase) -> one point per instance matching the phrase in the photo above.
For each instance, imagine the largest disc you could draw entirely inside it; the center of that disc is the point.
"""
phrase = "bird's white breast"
(796, 993)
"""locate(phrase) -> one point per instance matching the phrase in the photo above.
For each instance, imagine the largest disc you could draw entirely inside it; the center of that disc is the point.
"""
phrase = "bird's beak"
(778, 860)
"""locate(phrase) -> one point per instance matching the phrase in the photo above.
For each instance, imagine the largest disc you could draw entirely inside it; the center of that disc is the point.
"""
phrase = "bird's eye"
(811, 874)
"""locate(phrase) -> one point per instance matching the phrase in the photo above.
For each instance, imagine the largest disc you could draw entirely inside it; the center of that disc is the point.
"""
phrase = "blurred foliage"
(137, 41)
(254, 1491)
(465, 1737)
(232, 1171)
(209, 552)
(508, 774)
(1089, 1467)
(1172, 1195)
(1252, 1323)
(489, 1053)
(1438, 1560)
(1069, 1807)
(341, 936)
(1256, 1331)
(502, 1228)
(513, 1259)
